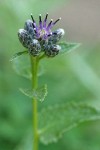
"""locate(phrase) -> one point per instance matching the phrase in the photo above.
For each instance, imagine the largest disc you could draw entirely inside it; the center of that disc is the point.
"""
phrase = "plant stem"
(34, 65)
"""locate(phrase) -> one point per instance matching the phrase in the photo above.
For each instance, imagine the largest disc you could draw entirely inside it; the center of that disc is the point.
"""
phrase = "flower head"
(41, 38)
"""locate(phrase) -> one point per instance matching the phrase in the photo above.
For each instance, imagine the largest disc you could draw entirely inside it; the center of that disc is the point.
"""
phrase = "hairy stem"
(34, 64)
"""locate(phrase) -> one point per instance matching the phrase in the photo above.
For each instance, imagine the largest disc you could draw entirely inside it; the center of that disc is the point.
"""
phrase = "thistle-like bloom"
(38, 39)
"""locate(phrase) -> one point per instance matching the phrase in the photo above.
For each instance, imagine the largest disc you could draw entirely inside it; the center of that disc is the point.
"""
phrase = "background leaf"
(68, 47)
(39, 93)
(26, 143)
(56, 120)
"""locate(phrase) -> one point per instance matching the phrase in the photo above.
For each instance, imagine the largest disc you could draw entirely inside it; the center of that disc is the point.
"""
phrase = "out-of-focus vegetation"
(72, 77)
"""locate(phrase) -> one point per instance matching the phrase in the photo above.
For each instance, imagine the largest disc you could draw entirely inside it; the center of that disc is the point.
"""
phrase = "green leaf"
(68, 47)
(22, 66)
(39, 93)
(55, 120)
(18, 54)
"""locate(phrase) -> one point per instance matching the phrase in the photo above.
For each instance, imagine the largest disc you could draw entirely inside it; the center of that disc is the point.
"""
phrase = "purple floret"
(43, 31)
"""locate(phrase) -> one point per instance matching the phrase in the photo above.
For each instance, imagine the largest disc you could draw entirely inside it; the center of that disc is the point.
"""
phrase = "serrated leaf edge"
(68, 128)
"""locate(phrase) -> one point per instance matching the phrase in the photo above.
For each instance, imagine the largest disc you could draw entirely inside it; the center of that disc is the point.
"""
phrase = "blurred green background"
(72, 77)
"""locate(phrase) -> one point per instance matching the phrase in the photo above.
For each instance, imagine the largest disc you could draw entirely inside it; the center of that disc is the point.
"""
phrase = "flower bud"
(60, 32)
(34, 48)
(52, 50)
(29, 28)
(24, 37)
(56, 36)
